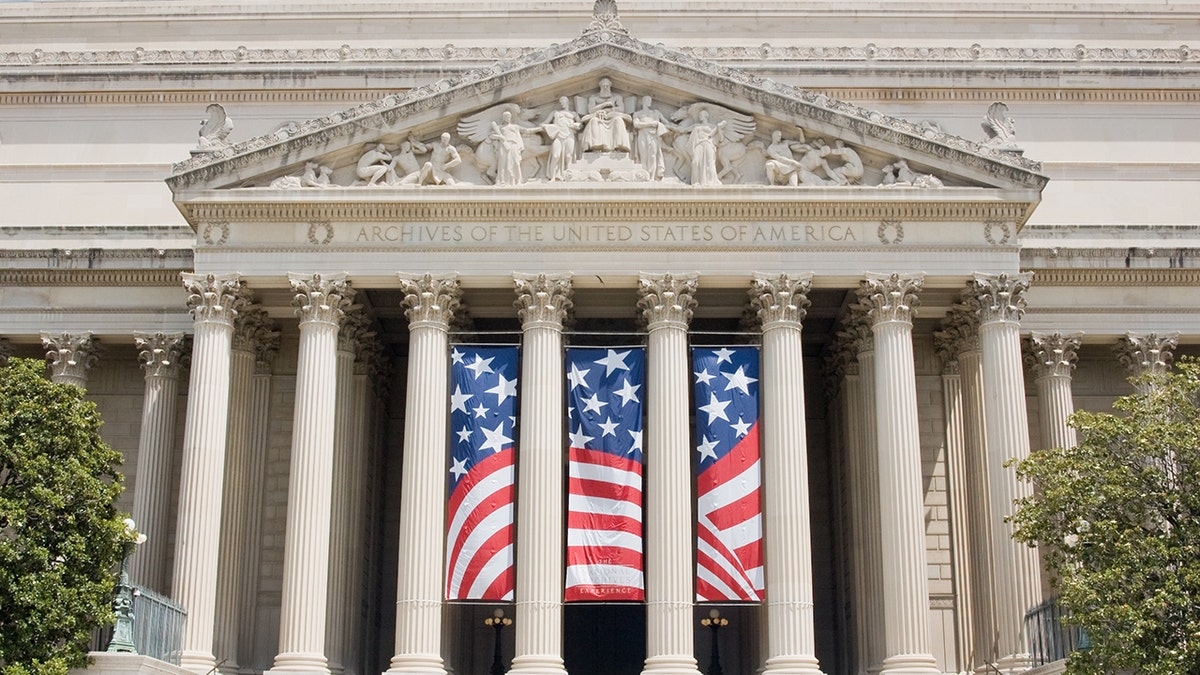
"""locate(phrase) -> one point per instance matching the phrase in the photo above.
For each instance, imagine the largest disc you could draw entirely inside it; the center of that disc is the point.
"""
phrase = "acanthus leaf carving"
(543, 299)
(1000, 297)
(780, 299)
(1052, 354)
(160, 354)
(667, 299)
(70, 355)
(215, 298)
(321, 298)
(1146, 353)
(890, 297)
(429, 300)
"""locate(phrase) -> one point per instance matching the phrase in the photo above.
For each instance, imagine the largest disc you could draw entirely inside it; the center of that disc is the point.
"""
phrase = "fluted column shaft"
(339, 535)
(979, 517)
(1016, 577)
(230, 605)
(258, 435)
(902, 512)
(667, 303)
(542, 302)
(319, 303)
(1052, 357)
(214, 301)
(869, 503)
(960, 530)
(160, 355)
(430, 303)
(781, 303)
(362, 404)
(852, 431)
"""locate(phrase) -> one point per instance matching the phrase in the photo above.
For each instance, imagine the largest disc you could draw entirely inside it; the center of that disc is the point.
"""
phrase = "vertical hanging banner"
(483, 414)
(729, 475)
(604, 503)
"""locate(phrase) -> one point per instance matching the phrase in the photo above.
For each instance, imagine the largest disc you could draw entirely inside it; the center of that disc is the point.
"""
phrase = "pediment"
(717, 128)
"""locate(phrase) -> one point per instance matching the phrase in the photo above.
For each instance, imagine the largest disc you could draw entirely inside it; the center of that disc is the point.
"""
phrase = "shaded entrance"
(604, 639)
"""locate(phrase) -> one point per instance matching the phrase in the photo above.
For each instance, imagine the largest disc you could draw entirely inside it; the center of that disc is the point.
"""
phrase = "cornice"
(508, 206)
(1114, 277)
(388, 111)
(464, 56)
(92, 278)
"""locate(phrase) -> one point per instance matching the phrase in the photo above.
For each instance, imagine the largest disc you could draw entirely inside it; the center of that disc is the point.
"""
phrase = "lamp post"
(122, 637)
(715, 622)
(497, 621)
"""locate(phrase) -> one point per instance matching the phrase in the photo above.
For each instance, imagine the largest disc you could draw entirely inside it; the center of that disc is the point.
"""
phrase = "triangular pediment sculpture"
(606, 108)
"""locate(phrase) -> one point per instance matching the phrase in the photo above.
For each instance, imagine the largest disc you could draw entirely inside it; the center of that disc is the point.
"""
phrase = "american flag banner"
(729, 552)
(605, 390)
(479, 532)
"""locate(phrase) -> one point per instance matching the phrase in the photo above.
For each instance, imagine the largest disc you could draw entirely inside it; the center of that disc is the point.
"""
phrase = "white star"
(703, 376)
(724, 354)
(503, 389)
(459, 469)
(593, 403)
(742, 428)
(609, 427)
(575, 377)
(455, 355)
(715, 408)
(613, 361)
(458, 400)
(707, 449)
(480, 366)
(637, 441)
(480, 410)
(628, 392)
(495, 438)
(578, 438)
(739, 380)
(464, 435)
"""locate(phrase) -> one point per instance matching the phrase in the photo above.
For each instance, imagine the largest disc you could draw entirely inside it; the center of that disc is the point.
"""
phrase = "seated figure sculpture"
(606, 122)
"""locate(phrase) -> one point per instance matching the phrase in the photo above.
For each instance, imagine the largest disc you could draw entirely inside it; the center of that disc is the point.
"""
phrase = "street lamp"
(122, 638)
(716, 622)
(497, 621)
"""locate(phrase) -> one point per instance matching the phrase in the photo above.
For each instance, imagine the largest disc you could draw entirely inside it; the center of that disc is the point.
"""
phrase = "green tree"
(1118, 518)
(60, 535)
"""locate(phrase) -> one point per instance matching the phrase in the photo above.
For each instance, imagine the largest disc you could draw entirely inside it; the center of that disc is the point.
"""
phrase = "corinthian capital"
(161, 354)
(858, 329)
(667, 298)
(780, 299)
(430, 301)
(1052, 354)
(215, 298)
(1146, 353)
(959, 333)
(543, 299)
(890, 297)
(1000, 297)
(252, 328)
(70, 355)
(320, 298)
(356, 330)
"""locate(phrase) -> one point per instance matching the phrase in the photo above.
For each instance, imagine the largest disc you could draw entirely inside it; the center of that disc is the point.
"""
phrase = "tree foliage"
(1118, 518)
(60, 535)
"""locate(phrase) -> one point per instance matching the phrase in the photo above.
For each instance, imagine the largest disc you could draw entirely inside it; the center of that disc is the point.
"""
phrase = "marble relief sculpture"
(1000, 128)
(214, 130)
(593, 138)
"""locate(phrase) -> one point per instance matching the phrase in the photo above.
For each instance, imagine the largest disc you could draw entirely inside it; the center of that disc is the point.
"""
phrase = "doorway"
(604, 639)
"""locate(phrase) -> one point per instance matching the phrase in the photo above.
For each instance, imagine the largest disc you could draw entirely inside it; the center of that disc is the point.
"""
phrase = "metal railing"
(157, 627)
(1050, 639)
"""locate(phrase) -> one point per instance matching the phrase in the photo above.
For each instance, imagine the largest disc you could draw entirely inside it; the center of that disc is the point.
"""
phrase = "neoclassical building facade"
(270, 333)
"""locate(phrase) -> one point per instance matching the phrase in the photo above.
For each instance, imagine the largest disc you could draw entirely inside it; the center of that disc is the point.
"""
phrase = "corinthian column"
(319, 303)
(160, 354)
(355, 329)
(231, 603)
(781, 303)
(667, 302)
(1051, 358)
(429, 303)
(543, 302)
(1145, 354)
(1016, 588)
(71, 356)
(890, 301)
(214, 301)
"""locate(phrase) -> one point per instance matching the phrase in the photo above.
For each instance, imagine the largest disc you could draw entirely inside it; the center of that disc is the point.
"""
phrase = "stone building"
(267, 333)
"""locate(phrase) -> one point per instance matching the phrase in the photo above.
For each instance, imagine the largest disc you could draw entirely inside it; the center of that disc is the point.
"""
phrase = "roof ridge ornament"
(605, 17)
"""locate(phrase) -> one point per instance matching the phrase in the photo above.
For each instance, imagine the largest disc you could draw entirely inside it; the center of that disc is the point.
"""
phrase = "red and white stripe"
(479, 555)
(729, 527)
(604, 527)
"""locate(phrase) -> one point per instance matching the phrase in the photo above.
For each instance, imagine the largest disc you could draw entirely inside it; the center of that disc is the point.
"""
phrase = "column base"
(422, 664)
(299, 663)
(197, 662)
(670, 665)
(1014, 663)
(537, 664)
(792, 665)
(910, 664)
